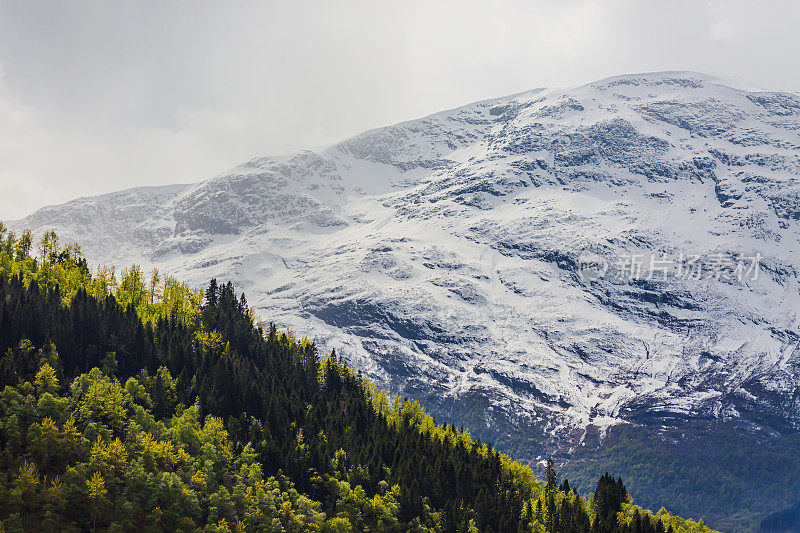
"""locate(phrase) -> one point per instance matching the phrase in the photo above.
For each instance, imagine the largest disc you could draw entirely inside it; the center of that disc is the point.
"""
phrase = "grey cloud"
(98, 96)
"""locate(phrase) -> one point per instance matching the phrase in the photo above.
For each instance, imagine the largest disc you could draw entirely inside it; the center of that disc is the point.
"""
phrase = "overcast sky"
(100, 96)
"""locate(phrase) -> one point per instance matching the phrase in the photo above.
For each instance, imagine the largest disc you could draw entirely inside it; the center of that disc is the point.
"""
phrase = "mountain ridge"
(445, 256)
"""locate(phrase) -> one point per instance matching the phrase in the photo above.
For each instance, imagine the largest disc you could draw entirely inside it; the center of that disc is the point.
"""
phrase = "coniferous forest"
(130, 401)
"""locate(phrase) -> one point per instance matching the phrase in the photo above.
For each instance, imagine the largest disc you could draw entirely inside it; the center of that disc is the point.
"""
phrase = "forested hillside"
(740, 469)
(133, 402)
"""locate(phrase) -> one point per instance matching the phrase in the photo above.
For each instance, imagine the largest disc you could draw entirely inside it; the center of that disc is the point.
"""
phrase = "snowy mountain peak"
(623, 251)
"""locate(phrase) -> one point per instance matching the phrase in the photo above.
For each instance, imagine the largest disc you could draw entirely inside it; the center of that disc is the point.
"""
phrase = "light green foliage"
(101, 450)
(46, 380)
(91, 452)
(153, 297)
(132, 289)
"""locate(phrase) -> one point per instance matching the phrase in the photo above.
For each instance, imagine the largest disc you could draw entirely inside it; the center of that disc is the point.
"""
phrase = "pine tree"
(550, 476)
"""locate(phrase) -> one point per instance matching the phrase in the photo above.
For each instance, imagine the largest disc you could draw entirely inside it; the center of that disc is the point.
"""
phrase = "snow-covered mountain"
(532, 266)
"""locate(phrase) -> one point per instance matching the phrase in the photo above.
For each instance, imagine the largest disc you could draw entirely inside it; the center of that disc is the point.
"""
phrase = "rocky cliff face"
(533, 266)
